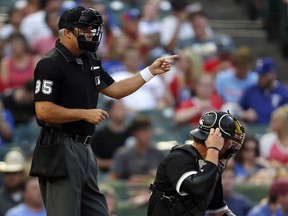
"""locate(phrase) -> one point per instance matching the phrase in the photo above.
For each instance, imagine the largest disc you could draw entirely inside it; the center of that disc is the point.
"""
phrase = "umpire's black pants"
(78, 193)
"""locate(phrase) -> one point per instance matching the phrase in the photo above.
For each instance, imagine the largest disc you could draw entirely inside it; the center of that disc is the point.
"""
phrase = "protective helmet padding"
(90, 17)
(230, 128)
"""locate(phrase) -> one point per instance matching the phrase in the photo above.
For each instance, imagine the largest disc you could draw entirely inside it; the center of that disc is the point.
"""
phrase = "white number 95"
(45, 87)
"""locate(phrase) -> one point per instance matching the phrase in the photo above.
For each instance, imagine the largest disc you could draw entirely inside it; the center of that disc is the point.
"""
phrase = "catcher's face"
(227, 145)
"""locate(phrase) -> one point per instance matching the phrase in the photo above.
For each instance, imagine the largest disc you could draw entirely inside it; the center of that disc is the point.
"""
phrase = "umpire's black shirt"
(70, 82)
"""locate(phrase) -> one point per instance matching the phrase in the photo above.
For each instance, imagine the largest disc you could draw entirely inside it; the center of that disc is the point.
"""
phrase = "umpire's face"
(88, 33)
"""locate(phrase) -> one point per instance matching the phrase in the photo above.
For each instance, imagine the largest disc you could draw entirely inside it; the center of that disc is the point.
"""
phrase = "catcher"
(188, 180)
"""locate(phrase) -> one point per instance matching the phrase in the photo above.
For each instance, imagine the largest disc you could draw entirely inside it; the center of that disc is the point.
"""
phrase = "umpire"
(67, 83)
(188, 180)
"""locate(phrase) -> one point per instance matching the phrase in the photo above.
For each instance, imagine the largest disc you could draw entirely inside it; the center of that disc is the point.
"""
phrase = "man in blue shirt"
(277, 201)
(32, 204)
(239, 204)
(261, 99)
(232, 82)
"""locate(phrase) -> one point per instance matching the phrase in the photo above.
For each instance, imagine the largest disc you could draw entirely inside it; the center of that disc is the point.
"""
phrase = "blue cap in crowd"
(131, 15)
(265, 65)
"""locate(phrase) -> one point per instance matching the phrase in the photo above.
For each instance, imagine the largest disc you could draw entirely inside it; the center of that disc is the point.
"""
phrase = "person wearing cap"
(188, 180)
(261, 99)
(67, 85)
(12, 170)
(277, 200)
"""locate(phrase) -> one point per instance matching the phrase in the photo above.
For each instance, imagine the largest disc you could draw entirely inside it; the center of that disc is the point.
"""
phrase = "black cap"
(70, 17)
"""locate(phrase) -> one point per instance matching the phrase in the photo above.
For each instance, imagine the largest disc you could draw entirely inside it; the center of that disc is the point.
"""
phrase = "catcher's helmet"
(230, 127)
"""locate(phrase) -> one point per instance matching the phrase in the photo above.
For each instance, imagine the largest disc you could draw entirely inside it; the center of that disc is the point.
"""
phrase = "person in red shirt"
(205, 99)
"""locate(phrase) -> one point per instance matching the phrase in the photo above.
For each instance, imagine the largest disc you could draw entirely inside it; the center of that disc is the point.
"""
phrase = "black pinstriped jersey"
(174, 195)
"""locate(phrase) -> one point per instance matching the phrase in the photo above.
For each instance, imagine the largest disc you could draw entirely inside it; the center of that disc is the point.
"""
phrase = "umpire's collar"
(65, 52)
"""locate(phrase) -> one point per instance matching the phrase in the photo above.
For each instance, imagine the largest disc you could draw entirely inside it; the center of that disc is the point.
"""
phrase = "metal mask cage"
(96, 32)
(239, 134)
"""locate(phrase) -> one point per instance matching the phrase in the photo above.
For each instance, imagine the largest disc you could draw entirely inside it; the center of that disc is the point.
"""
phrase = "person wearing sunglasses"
(188, 180)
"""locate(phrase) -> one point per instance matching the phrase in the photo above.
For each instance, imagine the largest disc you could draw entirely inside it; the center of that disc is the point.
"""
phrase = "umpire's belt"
(79, 138)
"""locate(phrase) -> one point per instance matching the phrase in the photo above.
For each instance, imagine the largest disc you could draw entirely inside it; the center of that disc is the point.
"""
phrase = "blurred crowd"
(211, 73)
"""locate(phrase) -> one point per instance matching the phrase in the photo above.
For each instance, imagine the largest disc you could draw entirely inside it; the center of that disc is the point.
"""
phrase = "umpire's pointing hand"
(162, 65)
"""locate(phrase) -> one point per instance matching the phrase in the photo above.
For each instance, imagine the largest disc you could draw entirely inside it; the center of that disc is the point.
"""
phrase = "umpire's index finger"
(171, 57)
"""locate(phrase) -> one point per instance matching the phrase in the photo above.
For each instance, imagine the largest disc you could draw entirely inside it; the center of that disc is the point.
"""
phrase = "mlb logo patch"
(97, 80)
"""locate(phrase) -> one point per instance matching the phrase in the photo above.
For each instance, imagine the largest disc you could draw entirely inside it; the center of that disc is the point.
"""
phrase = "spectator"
(33, 26)
(149, 21)
(149, 29)
(190, 110)
(12, 170)
(6, 125)
(261, 99)
(29, 7)
(273, 145)
(116, 48)
(250, 166)
(224, 59)
(42, 45)
(32, 204)
(184, 74)
(256, 10)
(110, 27)
(12, 25)
(277, 200)
(231, 83)
(237, 203)
(130, 27)
(110, 137)
(19, 67)
(272, 18)
(20, 102)
(204, 40)
(139, 162)
(175, 28)
(152, 95)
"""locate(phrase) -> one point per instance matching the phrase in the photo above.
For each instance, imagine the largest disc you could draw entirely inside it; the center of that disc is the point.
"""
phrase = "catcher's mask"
(230, 128)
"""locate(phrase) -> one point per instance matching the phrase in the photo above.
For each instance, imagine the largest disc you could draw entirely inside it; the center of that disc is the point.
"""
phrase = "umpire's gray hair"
(61, 33)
